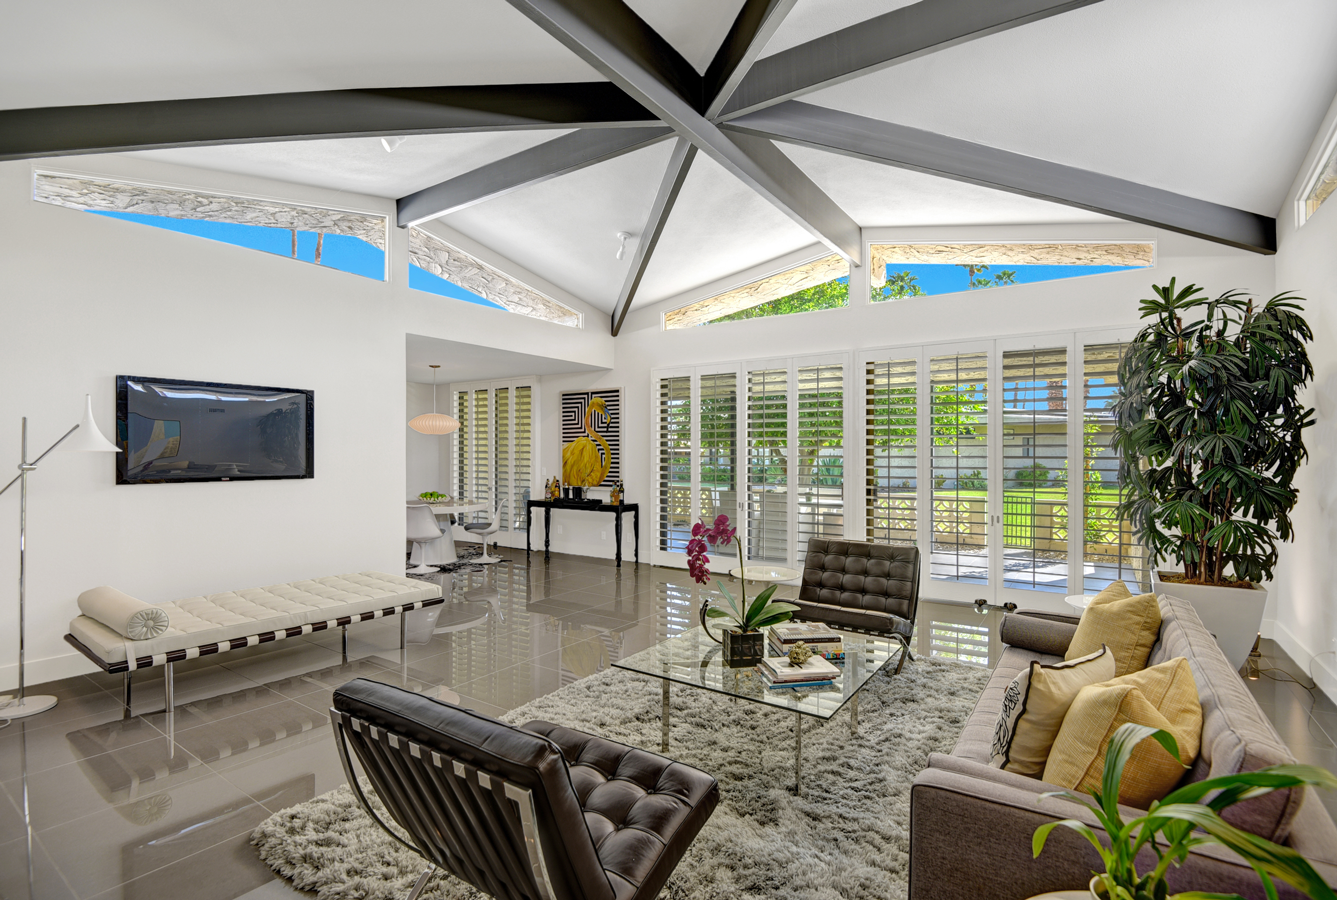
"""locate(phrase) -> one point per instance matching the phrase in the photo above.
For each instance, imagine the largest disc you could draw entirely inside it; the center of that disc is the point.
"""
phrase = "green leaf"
(1126, 737)
(760, 603)
(1042, 834)
(714, 612)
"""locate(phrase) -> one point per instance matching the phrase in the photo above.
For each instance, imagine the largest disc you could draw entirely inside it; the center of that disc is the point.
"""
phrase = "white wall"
(87, 298)
(1092, 302)
(1302, 602)
(427, 455)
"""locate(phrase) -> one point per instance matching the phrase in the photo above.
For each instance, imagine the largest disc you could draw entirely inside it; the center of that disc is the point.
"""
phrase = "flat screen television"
(171, 430)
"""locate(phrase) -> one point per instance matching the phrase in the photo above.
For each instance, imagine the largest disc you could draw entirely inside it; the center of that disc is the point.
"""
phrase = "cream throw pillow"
(1164, 696)
(1034, 706)
(1128, 625)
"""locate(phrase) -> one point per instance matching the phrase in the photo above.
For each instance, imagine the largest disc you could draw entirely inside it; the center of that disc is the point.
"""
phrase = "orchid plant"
(762, 612)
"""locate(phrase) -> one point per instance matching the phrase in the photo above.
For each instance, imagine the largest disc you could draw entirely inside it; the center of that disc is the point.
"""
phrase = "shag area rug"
(846, 838)
(464, 562)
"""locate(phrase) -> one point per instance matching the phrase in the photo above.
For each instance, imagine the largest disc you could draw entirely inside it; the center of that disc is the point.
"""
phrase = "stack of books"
(821, 640)
(777, 673)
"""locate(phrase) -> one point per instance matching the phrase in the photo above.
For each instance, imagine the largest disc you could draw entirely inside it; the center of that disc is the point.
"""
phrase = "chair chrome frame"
(479, 803)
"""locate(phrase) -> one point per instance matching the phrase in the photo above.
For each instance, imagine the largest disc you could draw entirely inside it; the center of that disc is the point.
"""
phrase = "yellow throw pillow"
(1128, 625)
(1034, 706)
(1164, 696)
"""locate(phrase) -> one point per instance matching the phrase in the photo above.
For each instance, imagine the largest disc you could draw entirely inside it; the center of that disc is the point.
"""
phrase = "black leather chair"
(534, 813)
(862, 586)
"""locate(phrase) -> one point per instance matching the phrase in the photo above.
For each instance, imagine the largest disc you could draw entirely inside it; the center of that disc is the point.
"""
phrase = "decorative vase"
(1233, 615)
(743, 649)
(577, 493)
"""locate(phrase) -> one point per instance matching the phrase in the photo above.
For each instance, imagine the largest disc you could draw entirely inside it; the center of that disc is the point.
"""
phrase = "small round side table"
(1079, 602)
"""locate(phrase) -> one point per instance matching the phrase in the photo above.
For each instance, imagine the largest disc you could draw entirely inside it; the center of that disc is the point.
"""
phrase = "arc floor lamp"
(89, 439)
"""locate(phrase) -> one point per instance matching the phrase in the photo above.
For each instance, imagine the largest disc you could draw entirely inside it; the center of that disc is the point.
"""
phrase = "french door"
(986, 457)
(494, 447)
(762, 442)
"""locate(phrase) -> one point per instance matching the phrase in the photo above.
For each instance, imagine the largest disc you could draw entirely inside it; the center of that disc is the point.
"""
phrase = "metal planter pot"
(743, 649)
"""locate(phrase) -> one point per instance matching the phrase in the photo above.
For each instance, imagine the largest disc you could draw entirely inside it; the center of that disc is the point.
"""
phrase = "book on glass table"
(787, 633)
(833, 652)
(778, 670)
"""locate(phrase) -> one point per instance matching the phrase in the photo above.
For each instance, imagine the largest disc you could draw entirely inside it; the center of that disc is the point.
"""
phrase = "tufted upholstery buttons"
(642, 810)
(874, 587)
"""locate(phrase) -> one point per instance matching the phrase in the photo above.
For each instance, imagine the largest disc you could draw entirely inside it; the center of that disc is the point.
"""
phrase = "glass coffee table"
(694, 659)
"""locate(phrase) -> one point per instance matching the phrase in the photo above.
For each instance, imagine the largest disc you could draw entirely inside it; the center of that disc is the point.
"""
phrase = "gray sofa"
(971, 825)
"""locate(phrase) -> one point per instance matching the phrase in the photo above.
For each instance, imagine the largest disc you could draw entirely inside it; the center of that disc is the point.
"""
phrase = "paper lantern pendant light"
(434, 422)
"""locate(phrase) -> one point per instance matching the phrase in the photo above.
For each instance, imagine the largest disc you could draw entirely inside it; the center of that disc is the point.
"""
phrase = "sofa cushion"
(1236, 736)
(976, 740)
(1128, 625)
(1034, 706)
(1163, 696)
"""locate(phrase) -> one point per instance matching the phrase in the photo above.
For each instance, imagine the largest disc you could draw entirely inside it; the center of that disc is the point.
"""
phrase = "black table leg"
(547, 533)
(636, 532)
(529, 520)
(617, 533)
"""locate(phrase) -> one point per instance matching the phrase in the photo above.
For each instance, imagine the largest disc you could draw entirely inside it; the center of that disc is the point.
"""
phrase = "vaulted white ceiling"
(1214, 99)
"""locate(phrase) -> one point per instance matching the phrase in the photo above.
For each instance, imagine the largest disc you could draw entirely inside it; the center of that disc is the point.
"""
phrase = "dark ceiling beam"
(679, 163)
(755, 25)
(314, 115)
(895, 37)
(621, 46)
(923, 151)
(559, 156)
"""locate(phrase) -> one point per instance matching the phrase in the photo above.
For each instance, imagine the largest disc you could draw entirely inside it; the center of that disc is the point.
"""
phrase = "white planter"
(1088, 894)
(1233, 615)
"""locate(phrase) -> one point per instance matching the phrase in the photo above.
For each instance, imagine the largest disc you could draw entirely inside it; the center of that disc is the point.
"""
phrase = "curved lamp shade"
(434, 423)
(88, 437)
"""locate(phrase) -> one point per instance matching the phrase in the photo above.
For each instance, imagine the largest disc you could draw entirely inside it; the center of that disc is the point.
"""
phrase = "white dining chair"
(484, 530)
(432, 547)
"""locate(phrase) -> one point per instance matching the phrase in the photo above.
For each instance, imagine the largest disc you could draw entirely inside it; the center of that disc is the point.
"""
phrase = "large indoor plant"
(744, 642)
(1181, 821)
(1208, 428)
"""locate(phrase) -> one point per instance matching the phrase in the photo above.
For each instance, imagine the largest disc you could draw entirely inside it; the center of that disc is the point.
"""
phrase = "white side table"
(769, 574)
(1079, 602)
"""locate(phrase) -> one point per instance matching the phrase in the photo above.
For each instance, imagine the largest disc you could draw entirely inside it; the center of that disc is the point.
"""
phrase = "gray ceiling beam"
(314, 115)
(619, 44)
(559, 156)
(895, 37)
(755, 25)
(679, 163)
(923, 151)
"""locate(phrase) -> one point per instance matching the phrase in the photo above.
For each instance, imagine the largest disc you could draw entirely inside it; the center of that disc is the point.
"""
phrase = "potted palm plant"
(1208, 425)
(1182, 821)
(744, 642)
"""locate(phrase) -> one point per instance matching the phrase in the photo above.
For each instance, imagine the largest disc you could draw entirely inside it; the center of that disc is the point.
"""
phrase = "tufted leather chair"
(862, 586)
(540, 812)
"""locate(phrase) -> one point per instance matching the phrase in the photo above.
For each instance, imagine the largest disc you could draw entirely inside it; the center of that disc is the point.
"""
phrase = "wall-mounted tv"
(171, 430)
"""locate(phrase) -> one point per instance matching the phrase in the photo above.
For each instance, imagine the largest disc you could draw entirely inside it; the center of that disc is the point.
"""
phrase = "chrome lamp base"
(28, 706)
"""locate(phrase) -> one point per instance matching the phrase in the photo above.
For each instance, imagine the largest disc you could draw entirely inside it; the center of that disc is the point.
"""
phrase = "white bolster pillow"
(128, 617)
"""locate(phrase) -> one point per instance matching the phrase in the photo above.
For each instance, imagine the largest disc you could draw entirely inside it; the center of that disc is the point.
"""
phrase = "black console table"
(616, 509)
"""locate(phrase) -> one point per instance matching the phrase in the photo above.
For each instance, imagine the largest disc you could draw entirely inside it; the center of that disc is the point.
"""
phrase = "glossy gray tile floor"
(141, 807)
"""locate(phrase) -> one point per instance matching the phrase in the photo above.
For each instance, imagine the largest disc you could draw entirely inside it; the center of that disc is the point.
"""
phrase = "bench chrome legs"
(125, 694)
(343, 642)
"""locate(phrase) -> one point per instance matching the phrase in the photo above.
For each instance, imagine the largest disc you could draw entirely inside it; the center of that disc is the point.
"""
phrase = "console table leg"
(664, 719)
(529, 520)
(617, 533)
(547, 533)
(798, 752)
(636, 532)
(854, 714)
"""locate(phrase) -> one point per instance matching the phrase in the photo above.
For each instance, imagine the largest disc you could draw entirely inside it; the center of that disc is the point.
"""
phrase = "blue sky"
(947, 279)
(342, 252)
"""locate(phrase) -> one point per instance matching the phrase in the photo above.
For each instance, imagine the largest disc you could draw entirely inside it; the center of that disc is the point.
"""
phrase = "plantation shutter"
(958, 431)
(820, 481)
(463, 448)
(524, 441)
(674, 462)
(501, 465)
(1035, 469)
(767, 465)
(718, 457)
(480, 480)
(891, 451)
(1110, 551)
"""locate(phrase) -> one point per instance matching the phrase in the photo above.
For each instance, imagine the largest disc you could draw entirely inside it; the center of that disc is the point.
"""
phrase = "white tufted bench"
(204, 626)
